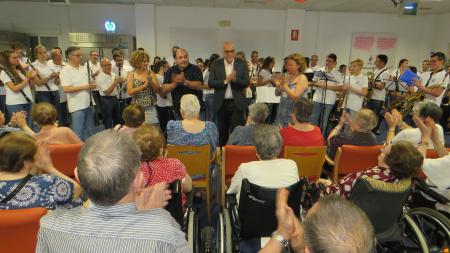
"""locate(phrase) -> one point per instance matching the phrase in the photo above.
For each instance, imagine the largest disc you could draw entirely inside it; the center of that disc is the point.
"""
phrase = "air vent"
(66, 2)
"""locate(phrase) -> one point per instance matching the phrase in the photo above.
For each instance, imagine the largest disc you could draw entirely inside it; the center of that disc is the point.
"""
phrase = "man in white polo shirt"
(378, 84)
(325, 95)
(121, 70)
(75, 82)
(433, 83)
(107, 83)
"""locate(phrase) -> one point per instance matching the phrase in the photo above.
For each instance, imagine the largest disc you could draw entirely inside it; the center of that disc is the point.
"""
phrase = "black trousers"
(377, 107)
(164, 115)
(228, 117)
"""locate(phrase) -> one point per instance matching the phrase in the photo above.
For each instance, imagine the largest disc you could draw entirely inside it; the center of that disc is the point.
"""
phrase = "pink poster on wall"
(367, 46)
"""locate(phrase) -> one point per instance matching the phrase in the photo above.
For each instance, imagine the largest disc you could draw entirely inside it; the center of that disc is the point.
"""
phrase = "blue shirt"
(176, 135)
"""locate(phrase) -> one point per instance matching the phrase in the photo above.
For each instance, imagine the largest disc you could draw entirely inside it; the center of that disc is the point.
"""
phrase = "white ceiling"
(373, 6)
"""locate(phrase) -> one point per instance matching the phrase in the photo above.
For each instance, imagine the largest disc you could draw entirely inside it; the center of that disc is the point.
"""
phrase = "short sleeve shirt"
(71, 76)
(330, 98)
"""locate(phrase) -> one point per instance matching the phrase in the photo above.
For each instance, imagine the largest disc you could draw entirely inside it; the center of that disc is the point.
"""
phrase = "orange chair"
(431, 153)
(197, 161)
(309, 160)
(232, 157)
(19, 229)
(351, 159)
(64, 157)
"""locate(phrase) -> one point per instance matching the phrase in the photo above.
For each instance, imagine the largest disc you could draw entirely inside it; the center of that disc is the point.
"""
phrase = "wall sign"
(294, 34)
(110, 26)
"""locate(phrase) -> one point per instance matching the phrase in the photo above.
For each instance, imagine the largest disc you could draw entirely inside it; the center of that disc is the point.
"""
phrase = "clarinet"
(46, 84)
(89, 81)
(120, 84)
(13, 79)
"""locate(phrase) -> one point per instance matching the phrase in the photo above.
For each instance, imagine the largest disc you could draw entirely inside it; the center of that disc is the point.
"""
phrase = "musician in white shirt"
(46, 88)
(121, 70)
(314, 63)
(325, 96)
(355, 86)
(125, 63)
(107, 83)
(378, 84)
(77, 85)
(254, 66)
(433, 83)
(57, 64)
(17, 84)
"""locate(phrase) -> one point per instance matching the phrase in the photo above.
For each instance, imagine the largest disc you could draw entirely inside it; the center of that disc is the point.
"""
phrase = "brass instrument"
(371, 77)
(405, 104)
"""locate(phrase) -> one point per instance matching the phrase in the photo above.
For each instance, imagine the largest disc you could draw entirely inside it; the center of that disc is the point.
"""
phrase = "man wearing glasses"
(434, 82)
(77, 85)
(229, 77)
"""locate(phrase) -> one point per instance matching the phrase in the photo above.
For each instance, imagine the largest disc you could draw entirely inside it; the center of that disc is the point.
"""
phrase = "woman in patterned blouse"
(155, 166)
(143, 85)
(19, 156)
(396, 162)
(191, 130)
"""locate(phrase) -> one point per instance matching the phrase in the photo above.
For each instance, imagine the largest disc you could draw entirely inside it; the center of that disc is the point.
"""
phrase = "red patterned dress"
(345, 184)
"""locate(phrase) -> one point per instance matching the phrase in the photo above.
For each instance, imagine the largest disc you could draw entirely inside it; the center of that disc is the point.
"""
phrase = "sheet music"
(266, 95)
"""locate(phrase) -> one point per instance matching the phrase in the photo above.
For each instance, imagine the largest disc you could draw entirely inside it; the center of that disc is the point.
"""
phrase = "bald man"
(181, 79)
(107, 83)
(229, 77)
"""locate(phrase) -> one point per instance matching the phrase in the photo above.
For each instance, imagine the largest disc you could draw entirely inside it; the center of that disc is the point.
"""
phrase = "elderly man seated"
(124, 216)
(332, 225)
(269, 171)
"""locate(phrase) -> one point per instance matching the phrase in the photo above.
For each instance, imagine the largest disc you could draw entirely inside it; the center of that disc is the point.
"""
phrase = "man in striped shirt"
(123, 216)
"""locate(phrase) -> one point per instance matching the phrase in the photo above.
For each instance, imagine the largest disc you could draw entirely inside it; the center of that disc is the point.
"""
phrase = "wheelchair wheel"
(193, 233)
(414, 240)
(220, 235)
(227, 241)
(434, 226)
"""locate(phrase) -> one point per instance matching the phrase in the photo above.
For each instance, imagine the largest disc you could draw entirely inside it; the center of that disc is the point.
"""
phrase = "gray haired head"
(107, 165)
(258, 112)
(267, 140)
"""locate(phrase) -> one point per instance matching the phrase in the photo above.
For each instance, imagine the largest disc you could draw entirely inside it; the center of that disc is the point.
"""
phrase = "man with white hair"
(123, 216)
(229, 77)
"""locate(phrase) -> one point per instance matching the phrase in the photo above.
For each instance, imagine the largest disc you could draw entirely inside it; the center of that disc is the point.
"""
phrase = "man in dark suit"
(229, 77)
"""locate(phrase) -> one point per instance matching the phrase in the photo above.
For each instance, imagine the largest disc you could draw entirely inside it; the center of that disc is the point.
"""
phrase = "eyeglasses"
(76, 55)
(229, 51)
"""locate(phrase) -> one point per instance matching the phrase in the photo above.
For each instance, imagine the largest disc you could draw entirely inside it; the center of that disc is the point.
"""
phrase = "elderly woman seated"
(269, 171)
(396, 163)
(44, 115)
(155, 166)
(191, 130)
(133, 117)
(19, 156)
(7, 128)
(302, 133)
(242, 135)
(360, 133)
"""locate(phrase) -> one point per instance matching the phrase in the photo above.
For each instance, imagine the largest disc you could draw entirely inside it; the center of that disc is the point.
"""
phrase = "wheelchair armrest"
(190, 199)
(231, 200)
(425, 188)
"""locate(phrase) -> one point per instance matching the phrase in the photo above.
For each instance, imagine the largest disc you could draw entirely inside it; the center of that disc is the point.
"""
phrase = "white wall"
(198, 28)
(331, 32)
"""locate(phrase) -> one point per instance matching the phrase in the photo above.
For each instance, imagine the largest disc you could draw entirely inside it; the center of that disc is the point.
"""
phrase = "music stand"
(310, 77)
(322, 75)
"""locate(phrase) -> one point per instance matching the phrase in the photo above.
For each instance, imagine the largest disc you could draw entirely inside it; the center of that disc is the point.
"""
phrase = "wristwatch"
(281, 239)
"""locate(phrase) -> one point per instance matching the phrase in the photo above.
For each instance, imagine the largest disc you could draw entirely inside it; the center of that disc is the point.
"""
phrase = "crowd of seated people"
(126, 170)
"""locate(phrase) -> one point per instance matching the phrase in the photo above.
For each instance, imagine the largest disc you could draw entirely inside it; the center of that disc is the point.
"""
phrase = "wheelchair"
(399, 228)
(187, 218)
(254, 217)
(433, 224)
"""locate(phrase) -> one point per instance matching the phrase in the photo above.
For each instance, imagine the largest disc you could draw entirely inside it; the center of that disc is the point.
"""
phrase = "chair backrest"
(309, 160)
(195, 158)
(19, 229)
(64, 157)
(257, 207)
(175, 205)
(233, 157)
(382, 202)
(351, 159)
